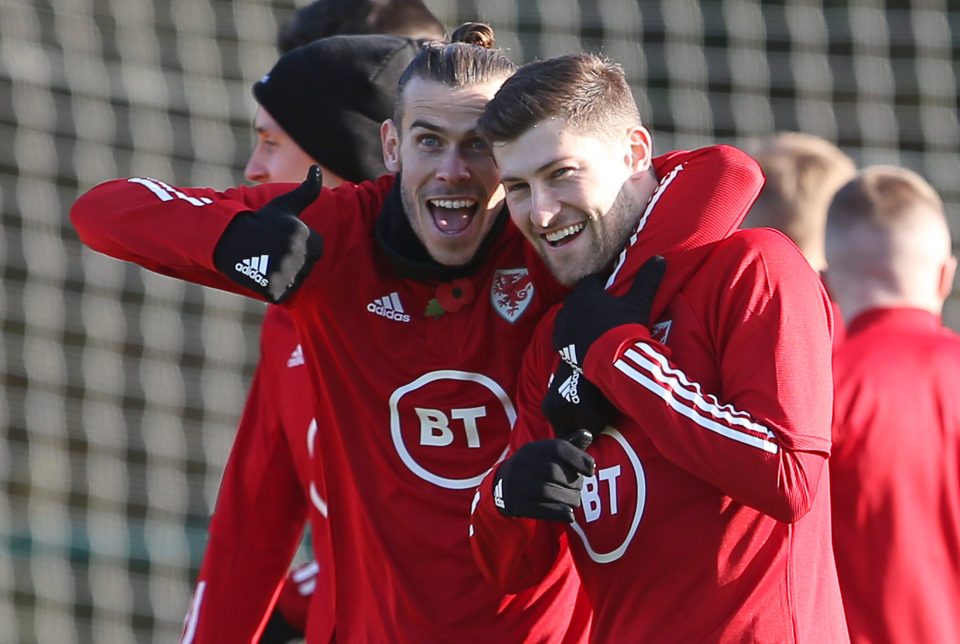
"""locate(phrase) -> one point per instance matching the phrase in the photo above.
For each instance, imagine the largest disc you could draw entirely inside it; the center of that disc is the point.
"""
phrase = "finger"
(580, 439)
(303, 195)
(553, 512)
(647, 281)
(576, 460)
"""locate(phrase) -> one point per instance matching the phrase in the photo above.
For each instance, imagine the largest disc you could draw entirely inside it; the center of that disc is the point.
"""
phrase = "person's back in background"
(802, 173)
(896, 428)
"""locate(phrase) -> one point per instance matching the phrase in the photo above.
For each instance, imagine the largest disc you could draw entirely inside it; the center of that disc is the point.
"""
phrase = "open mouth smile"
(452, 216)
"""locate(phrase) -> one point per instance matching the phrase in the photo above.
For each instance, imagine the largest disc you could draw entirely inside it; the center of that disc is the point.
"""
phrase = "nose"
(453, 168)
(544, 208)
(255, 171)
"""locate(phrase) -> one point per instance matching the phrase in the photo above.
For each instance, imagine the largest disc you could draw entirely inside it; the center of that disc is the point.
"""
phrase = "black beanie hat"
(331, 96)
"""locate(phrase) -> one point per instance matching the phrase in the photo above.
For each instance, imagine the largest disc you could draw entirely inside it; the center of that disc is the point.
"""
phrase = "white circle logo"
(641, 491)
(455, 431)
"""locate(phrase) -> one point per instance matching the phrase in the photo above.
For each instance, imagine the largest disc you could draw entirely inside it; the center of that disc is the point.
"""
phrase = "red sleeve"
(255, 530)
(517, 553)
(763, 440)
(163, 228)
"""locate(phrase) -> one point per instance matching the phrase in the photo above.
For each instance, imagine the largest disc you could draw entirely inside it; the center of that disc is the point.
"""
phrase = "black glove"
(269, 250)
(573, 403)
(542, 481)
(278, 630)
(589, 311)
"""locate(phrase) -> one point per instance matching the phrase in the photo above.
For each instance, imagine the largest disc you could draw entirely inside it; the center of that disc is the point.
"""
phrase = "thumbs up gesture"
(270, 251)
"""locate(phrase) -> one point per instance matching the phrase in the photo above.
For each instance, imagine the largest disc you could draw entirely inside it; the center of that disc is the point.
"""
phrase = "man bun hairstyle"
(468, 59)
(588, 91)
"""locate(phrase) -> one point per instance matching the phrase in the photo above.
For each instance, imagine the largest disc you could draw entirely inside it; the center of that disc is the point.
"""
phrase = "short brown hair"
(802, 173)
(588, 91)
(883, 195)
(469, 59)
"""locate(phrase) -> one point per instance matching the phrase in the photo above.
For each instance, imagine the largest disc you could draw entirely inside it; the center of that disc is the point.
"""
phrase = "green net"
(121, 389)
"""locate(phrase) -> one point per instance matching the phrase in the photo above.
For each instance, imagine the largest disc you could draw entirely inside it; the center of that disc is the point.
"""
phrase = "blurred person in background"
(802, 172)
(895, 465)
(322, 18)
(320, 104)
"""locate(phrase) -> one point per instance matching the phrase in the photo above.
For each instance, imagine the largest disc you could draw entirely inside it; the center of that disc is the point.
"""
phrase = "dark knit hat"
(331, 96)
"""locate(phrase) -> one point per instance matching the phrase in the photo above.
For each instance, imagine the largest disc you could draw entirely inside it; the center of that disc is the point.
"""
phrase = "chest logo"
(389, 306)
(449, 427)
(617, 493)
(511, 292)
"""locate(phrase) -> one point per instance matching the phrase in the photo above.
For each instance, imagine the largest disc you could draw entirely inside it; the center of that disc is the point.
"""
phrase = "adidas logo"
(389, 307)
(569, 389)
(569, 355)
(296, 358)
(255, 268)
(498, 494)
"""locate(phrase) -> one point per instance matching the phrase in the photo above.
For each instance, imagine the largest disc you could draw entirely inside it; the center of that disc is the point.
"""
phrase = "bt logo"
(450, 427)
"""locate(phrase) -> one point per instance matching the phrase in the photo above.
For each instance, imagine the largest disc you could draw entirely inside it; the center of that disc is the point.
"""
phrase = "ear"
(390, 141)
(641, 149)
(947, 273)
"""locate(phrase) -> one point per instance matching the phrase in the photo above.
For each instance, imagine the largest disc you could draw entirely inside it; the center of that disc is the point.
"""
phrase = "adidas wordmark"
(389, 307)
(569, 389)
(255, 268)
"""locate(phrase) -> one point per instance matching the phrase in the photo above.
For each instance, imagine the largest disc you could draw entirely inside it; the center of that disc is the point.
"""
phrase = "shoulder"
(764, 247)
(349, 204)
(712, 158)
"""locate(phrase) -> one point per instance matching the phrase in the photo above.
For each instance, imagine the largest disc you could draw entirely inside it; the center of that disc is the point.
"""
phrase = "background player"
(685, 498)
(269, 482)
(802, 171)
(896, 424)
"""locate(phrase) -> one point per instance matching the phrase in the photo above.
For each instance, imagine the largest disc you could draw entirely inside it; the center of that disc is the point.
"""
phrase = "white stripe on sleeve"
(648, 368)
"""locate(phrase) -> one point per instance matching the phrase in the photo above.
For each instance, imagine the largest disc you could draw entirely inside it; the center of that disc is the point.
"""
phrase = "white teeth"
(453, 203)
(557, 235)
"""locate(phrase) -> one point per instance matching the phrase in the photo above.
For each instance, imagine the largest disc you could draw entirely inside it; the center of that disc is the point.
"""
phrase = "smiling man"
(700, 511)
(412, 322)
(411, 409)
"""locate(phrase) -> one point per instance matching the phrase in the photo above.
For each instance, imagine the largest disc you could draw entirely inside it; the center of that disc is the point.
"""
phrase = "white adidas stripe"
(166, 192)
(654, 198)
(650, 369)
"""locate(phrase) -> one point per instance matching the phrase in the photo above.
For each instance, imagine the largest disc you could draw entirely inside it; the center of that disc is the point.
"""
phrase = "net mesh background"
(121, 388)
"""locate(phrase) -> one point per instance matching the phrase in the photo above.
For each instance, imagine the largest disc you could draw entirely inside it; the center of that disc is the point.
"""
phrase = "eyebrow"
(433, 127)
(537, 171)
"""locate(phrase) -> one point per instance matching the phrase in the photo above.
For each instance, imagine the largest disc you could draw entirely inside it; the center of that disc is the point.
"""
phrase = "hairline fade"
(587, 91)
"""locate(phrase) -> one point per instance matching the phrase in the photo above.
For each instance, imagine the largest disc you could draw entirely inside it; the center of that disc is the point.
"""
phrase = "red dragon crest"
(511, 292)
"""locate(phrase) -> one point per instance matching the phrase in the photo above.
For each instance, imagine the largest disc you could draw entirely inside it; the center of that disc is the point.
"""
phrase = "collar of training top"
(406, 252)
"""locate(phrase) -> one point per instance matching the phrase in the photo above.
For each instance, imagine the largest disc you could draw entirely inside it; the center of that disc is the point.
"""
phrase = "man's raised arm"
(245, 240)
